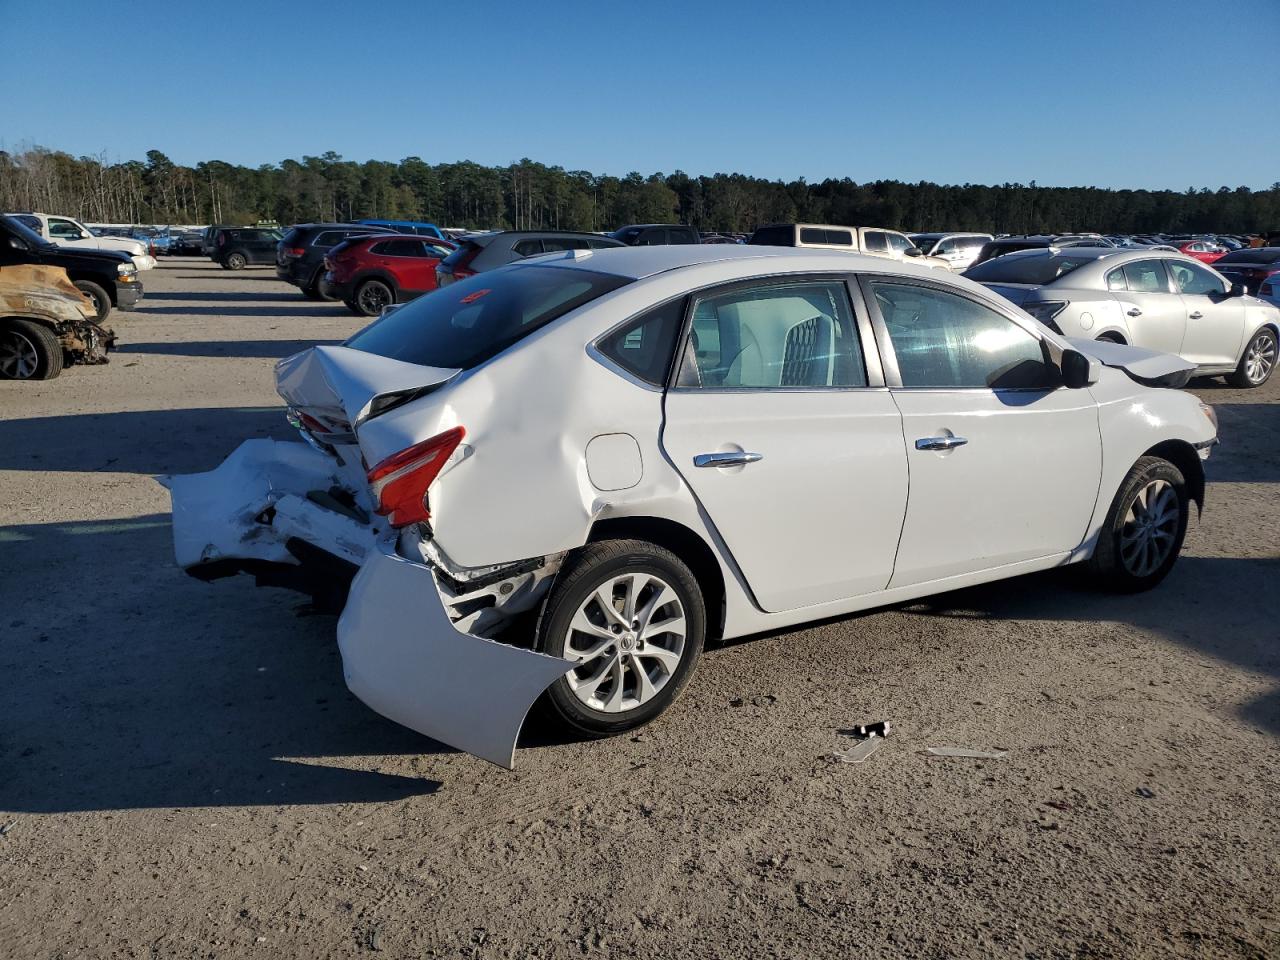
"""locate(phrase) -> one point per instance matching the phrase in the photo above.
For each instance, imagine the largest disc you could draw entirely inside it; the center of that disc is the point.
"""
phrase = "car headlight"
(126, 270)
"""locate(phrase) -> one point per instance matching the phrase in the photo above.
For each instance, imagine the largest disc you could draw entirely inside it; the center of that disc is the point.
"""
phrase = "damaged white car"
(566, 476)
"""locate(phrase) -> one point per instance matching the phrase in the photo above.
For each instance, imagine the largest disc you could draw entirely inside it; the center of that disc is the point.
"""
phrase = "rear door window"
(774, 237)
(550, 244)
(1146, 276)
(527, 248)
(875, 242)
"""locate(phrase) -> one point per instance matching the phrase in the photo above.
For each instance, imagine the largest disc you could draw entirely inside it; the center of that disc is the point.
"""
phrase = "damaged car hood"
(340, 378)
(1148, 367)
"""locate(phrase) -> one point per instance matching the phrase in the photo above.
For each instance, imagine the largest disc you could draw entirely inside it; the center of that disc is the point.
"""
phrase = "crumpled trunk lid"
(342, 388)
(1148, 367)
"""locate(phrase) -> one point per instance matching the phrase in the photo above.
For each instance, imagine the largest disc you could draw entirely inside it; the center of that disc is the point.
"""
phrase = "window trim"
(889, 357)
(863, 331)
(596, 352)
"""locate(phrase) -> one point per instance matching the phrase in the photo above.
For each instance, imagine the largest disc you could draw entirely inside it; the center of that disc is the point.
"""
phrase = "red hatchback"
(369, 273)
(1202, 250)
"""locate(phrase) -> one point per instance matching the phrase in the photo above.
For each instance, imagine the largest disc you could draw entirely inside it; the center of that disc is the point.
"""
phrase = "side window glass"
(527, 248)
(1116, 281)
(1194, 279)
(63, 229)
(563, 243)
(875, 242)
(771, 337)
(945, 248)
(944, 340)
(1146, 276)
(644, 346)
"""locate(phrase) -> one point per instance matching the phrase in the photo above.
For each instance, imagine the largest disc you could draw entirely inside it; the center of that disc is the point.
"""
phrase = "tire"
(1111, 338)
(372, 295)
(1258, 361)
(350, 305)
(604, 696)
(315, 290)
(235, 261)
(1141, 514)
(28, 351)
(101, 302)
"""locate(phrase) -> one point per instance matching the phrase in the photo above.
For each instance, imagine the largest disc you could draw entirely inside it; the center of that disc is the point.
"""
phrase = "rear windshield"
(1037, 270)
(464, 324)
(1256, 255)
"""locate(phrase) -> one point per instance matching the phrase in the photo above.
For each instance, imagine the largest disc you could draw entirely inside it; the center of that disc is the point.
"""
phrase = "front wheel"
(631, 616)
(1258, 361)
(1143, 533)
(97, 296)
(28, 351)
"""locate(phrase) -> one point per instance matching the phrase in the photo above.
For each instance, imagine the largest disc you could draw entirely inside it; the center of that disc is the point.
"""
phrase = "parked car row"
(46, 323)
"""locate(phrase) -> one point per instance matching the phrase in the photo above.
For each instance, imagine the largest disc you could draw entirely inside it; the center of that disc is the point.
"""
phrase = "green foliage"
(532, 195)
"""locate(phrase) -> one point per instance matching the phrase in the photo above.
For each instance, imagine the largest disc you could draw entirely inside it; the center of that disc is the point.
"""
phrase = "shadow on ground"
(304, 308)
(225, 348)
(156, 690)
(228, 297)
(137, 441)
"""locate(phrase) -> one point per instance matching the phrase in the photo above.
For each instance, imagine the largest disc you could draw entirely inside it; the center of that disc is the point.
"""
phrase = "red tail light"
(294, 251)
(400, 482)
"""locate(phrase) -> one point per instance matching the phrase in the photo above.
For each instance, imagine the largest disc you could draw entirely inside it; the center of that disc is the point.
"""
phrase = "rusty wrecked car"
(46, 324)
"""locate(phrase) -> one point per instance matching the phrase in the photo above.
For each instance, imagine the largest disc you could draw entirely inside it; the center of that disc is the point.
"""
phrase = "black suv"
(237, 247)
(656, 234)
(300, 255)
(107, 277)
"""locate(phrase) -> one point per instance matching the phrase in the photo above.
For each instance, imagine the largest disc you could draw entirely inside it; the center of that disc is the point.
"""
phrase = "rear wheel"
(28, 351)
(1257, 362)
(97, 296)
(631, 616)
(372, 296)
(1143, 533)
(315, 290)
(235, 261)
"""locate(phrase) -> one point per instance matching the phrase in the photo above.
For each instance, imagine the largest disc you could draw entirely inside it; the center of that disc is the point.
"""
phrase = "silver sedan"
(1158, 300)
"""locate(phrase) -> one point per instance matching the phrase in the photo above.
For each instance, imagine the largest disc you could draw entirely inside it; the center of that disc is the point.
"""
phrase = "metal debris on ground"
(1145, 793)
(964, 752)
(4, 831)
(880, 728)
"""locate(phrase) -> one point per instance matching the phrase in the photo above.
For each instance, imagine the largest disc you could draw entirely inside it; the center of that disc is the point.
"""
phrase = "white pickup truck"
(66, 232)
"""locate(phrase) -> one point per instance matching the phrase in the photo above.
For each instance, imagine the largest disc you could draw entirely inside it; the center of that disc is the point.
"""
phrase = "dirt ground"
(183, 774)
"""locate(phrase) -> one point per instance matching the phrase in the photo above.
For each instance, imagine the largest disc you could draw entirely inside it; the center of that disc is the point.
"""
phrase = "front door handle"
(735, 458)
(940, 443)
(1196, 315)
(1134, 312)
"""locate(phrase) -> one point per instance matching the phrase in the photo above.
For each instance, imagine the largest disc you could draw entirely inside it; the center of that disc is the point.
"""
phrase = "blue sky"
(1136, 93)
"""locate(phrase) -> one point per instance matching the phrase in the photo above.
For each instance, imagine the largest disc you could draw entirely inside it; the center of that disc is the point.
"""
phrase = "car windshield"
(464, 324)
(1038, 270)
(26, 233)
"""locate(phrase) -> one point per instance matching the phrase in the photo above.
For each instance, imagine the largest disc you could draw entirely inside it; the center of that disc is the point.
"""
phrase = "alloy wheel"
(18, 356)
(1260, 358)
(373, 297)
(627, 639)
(1150, 528)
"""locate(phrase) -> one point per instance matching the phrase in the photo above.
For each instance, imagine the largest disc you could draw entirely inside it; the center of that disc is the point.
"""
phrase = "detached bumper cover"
(406, 660)
(401, 654)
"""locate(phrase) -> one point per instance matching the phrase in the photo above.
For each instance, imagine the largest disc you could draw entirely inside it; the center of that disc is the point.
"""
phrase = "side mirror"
(17, 243)
(1078, 371)
(913, 252)
(1237, 289)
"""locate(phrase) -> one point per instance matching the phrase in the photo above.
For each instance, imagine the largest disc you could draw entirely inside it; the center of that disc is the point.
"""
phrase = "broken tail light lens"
(399, 483)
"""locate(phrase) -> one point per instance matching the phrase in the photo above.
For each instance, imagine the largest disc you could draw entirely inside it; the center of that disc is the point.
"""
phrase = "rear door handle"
(1134, 312)
(736, 458)
(1196, 315)
(940, 443)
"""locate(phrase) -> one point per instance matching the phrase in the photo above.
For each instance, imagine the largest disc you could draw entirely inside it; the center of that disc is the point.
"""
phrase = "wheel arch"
(1183, 456)
(376, 274)
(686, 544)
(1114, 335)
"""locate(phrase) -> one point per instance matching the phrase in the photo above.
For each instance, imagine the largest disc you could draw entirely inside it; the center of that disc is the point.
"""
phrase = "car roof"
(484, 239)
(637, 263)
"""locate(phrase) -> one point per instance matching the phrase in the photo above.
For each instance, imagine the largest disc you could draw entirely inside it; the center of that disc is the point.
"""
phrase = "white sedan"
(653, 448)
(1162, 301)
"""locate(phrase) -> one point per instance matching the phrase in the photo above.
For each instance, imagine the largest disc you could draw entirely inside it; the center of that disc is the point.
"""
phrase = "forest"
(528, 194)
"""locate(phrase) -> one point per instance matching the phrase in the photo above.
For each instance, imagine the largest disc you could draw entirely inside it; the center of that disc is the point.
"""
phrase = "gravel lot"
(183, 773)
